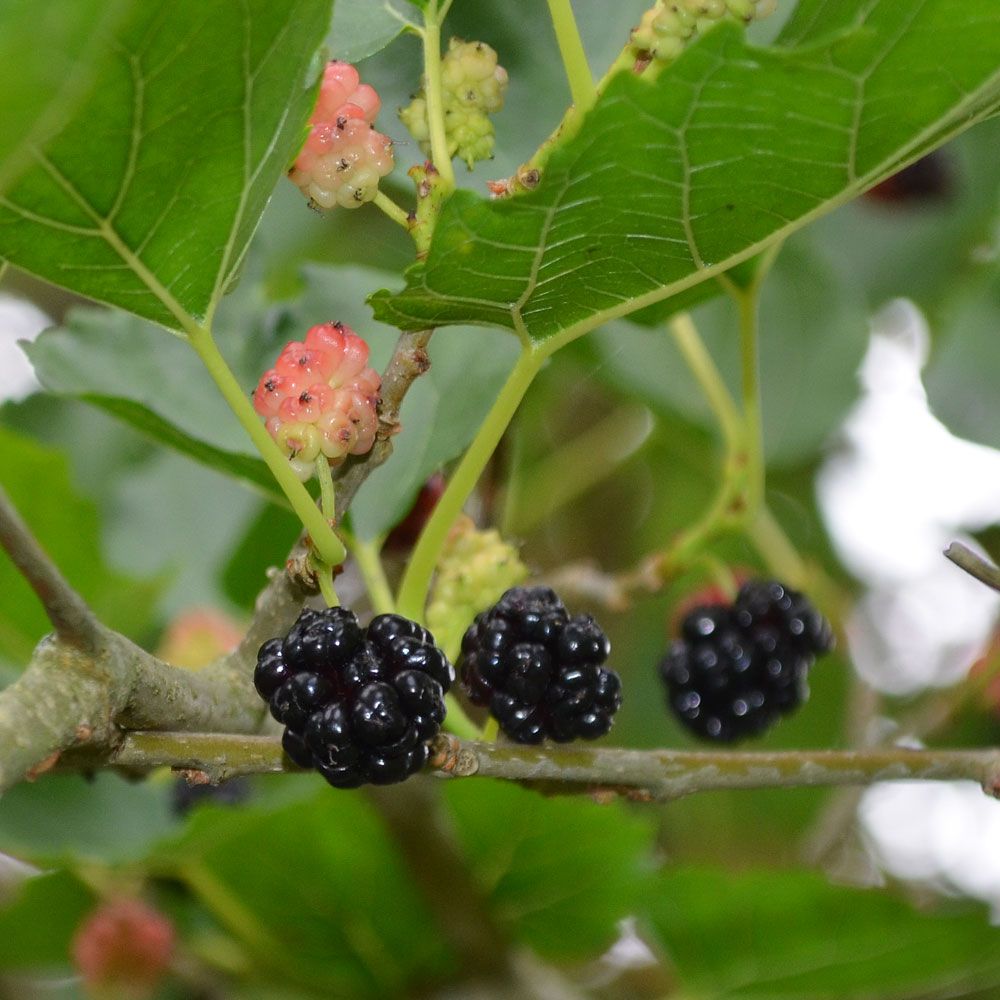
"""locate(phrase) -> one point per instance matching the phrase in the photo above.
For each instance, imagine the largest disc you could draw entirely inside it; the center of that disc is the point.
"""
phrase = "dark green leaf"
(316, 889)
(264, 543)
(68, 528)
(667, 184)
(559, 872)
(37, 927)
(775, 935)
(148, 196)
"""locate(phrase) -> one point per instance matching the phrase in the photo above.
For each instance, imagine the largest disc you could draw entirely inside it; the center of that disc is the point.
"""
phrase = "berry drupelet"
(736, 669)
(321, 398)
(539, 669)
(344, 157)
(357, 704)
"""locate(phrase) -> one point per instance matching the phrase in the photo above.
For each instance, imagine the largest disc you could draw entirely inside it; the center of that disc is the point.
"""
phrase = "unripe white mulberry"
(665, 28)
(473, 86)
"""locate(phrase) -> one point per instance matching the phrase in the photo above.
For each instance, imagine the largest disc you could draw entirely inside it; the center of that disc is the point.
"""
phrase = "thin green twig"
(433, 15)
(574, 57)
(416, 579)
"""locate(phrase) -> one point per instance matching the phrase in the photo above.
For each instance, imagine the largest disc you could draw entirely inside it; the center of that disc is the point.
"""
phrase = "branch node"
(195, 777)
(33, 773)
(444, 753)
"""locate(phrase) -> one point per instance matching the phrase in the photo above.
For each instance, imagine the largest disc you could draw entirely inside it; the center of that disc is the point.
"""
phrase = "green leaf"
(41, 85)
(559, 872)
(361, 28)
(669, 183)
(156, 386)
(37, 480)
(104, 818)
(37, 927)
(961, 383)
(776, 935)
(316, 889)
(148, 196)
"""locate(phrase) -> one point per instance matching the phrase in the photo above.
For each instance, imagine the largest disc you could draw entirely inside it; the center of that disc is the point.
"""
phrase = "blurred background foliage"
(300, 891)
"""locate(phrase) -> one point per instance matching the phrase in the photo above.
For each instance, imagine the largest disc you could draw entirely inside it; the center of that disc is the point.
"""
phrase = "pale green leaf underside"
(667, 184)
(149, 195)
(363, 27)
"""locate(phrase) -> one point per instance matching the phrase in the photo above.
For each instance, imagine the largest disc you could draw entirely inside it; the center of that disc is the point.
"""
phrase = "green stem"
(776, 549)
(416, 580)
(752, 420)
(701, 365)
(324, 541)
(433, 92)
(367, 558)
(392, 210)
(581, 82)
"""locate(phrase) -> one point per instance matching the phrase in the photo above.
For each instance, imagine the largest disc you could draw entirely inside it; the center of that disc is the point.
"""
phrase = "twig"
(68, 698)
(644, 775)
(72, 619)
(984, 571)
(409, 360)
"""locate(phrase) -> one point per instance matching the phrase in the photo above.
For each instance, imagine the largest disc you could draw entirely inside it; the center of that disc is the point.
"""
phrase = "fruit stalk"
(416, 581)
(433, 16)
(581, 82)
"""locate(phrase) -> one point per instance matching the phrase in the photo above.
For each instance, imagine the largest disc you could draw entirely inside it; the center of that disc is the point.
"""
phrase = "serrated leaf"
(667, 184)
(362, 27)
(156, 386)
(148, 196)
(559, 872)
(67, 527)
(325, 902)
(774, 935)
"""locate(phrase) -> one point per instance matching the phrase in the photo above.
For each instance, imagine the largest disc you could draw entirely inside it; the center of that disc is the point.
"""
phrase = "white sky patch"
(899, 488)
(19, 320)
(897, 491)
(944, 834)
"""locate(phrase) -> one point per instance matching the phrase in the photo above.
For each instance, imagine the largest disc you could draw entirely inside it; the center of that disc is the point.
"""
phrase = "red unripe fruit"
(340, 80)
(123, 946)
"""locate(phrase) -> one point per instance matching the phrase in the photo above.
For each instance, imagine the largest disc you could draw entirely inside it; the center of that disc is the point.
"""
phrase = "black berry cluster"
(738, 668)
(357, 704)
(539, 669)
